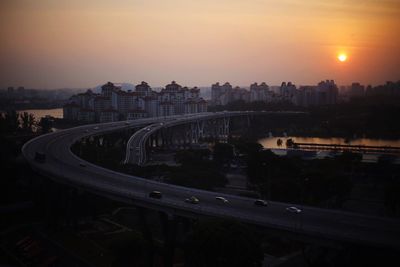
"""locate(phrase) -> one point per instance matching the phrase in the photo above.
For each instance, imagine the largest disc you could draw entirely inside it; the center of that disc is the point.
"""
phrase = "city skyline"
(62, 44)
(126, 86)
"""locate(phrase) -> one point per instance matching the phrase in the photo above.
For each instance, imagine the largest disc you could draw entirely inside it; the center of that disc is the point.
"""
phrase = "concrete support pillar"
(196, 131)
(200, 126)
(187, 135)
(157, 137)
(169, 224)
(226, 122)
(193, 133)
(164, 138)
(147, 235)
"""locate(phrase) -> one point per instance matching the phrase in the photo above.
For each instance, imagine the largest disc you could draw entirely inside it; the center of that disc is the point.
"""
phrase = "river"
(271, 142)
(40, 113)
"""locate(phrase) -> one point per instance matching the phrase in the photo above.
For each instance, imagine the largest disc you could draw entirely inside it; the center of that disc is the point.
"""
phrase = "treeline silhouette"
(13, 122)
(372, 116)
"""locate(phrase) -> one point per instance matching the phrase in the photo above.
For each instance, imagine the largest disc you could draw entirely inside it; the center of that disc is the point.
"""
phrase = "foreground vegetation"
(373, 117)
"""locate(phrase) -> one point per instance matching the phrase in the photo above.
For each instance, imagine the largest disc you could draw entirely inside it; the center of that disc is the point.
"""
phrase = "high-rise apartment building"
(113, 103)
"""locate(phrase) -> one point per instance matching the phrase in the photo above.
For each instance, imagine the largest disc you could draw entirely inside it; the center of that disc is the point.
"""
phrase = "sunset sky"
(79, 44)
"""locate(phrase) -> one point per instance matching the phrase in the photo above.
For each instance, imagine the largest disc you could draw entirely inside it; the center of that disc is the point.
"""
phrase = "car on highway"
(293, 210)
(95, 128)
(82, 164)
(192, 200)
(260, 203)
(86, 131)
(222, 199)
(127, 123)
(155, 194)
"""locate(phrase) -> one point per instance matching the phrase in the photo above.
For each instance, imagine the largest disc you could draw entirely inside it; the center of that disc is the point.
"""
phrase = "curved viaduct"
(64, 167)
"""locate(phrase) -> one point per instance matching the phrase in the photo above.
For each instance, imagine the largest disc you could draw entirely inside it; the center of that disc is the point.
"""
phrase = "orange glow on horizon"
(81, 44)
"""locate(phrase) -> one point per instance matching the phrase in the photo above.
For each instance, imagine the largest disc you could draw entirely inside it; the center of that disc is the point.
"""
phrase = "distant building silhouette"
(325, 93)
(222, 95)
(114, 104)
(260, 92)
(357, 90)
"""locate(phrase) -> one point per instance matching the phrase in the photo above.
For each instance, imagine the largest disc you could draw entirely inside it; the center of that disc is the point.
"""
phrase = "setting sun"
(342, 57)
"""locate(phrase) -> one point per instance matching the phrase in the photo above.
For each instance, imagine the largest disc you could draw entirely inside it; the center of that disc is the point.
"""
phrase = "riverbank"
(272, 142)
(278, 145)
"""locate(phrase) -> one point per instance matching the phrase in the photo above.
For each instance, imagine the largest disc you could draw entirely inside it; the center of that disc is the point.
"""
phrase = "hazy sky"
(76, 43)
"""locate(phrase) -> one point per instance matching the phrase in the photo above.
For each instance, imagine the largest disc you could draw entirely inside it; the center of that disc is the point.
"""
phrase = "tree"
(192, 156)
(290, 142)
(12, 121)
(28, 121)
(223, 153)
(129, 249)
(392, 196)
(3, 124)
(247, 148)
(45, 124)
(279, 142)
(204, 175)
(222, 243)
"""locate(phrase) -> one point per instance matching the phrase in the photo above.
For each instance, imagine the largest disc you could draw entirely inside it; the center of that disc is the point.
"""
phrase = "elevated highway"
(136, 146)
(63, 166)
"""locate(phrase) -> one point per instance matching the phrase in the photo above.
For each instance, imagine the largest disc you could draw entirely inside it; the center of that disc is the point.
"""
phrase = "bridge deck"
(64, 167)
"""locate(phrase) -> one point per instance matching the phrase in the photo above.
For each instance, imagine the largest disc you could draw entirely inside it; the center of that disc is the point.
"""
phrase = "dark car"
(192, 200)
(155, 194)
(260, 202)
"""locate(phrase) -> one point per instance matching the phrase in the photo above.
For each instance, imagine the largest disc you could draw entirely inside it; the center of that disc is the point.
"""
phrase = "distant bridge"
(353, 148)
(178, 131)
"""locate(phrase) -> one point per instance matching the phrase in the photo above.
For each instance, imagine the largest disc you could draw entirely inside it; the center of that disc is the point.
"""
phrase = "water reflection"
(272, 142)
(41, 113)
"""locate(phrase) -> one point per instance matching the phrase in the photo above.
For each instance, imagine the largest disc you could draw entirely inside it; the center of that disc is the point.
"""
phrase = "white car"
(222, 199)
(293, 210)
